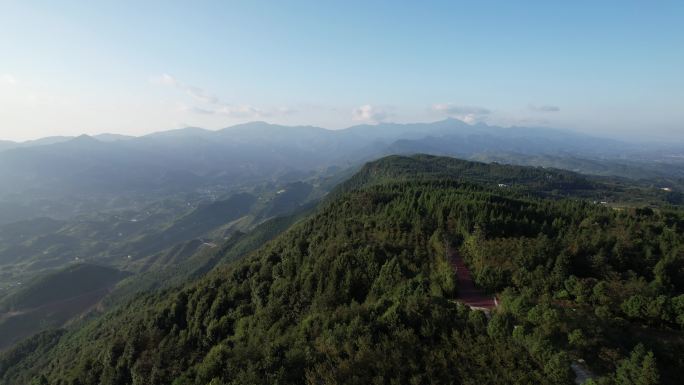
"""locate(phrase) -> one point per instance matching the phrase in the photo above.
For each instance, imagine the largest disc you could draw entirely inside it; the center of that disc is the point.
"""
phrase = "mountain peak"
(184, 131)
(84, 138)
(253, 124)
(107, 137)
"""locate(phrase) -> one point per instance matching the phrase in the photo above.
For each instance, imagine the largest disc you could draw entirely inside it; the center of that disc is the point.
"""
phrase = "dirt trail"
(467, 292)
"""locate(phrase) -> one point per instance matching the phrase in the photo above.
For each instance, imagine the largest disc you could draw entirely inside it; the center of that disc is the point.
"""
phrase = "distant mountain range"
(193, 158)
(8, 144)
(477, 137)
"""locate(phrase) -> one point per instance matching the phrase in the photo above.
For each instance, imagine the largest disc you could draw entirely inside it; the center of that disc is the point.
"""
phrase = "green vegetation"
(360, 292)
(203, 261)
(158, 236)
(66, 283)
(53, 299)
(47, 284)
(200, 221)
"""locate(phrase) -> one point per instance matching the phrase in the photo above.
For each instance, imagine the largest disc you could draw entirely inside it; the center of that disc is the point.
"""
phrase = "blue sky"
(606, 67)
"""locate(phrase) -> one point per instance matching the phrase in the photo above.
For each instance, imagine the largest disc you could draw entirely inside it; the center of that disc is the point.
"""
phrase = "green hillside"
(203, 259)
(53, 299)
(160, 235)
(361, 292)
(195, 224)
(522, 180)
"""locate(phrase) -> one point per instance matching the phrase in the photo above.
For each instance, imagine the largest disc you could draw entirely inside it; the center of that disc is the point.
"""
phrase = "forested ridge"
(361, 292)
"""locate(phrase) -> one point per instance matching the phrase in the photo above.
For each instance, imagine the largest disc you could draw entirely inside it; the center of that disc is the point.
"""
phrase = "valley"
(179, 220)
(341, 193)
(173, 239)
(365, 273)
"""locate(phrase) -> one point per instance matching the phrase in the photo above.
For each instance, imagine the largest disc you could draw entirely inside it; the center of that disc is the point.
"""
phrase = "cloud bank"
(213, 105)
(369, 114)
(8, 79)
(468, 114)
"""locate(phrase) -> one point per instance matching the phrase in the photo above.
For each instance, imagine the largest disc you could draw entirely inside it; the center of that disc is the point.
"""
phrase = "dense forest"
(361, 292)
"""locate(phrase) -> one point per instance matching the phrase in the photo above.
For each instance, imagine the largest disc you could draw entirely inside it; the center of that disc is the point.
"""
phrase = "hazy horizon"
(360, 192)
(608, 69)
(624, 138)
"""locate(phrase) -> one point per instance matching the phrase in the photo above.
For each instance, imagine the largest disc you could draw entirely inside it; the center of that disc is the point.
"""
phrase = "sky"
(610, 68)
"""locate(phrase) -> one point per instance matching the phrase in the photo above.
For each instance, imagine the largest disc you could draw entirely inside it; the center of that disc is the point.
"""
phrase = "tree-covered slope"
(523, 180)
(361, 292)
(51, 300)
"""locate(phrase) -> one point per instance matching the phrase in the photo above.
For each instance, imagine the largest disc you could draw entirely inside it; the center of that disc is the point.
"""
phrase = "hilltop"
(361, 291)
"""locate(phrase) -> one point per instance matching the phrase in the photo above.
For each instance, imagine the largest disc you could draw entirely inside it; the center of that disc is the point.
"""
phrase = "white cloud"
(201, 95)
(468, 114)
(241, 111)
(164, 79)
(8, 79)
(194, 92)
(369, 114)
(212, 105)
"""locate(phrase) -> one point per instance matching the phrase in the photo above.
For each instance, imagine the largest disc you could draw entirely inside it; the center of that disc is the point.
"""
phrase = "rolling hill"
(361, 292)
(52, 300)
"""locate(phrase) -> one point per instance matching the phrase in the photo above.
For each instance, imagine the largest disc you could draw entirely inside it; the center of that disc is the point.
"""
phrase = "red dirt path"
(467, 292)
